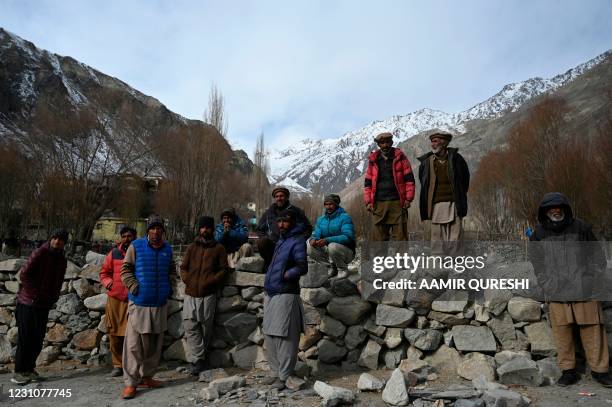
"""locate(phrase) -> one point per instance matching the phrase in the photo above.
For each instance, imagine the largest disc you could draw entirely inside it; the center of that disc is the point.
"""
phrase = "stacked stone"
(500, 337)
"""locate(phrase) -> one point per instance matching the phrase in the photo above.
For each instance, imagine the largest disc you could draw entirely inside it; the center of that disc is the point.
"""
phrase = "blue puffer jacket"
(289, 256)
(152, 270)
(235, 237)
(336, 228)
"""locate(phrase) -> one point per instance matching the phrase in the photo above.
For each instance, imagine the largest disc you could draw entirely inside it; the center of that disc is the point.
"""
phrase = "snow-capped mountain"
(329, 165)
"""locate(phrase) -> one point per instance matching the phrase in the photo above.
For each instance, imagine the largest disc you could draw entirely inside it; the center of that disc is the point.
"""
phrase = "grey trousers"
(198, 318)
(282, 349)
(335, 253)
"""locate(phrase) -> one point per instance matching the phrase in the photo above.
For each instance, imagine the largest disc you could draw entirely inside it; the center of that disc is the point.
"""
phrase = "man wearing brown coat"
(203, 269)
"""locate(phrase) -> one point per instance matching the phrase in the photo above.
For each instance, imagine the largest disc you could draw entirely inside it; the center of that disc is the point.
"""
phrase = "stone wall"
(344, 331)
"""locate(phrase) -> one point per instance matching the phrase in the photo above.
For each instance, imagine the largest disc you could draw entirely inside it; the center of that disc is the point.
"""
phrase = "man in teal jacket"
(333, 239)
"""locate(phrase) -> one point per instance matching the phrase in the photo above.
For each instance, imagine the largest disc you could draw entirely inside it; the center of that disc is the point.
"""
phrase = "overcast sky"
(316, 69)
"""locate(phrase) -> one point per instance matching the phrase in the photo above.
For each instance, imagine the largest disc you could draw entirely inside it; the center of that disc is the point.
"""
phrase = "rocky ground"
(91, 385)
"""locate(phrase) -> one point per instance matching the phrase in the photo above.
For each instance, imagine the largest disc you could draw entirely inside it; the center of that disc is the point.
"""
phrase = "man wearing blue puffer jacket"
(283, 320)
(333, 239)
(146, 270)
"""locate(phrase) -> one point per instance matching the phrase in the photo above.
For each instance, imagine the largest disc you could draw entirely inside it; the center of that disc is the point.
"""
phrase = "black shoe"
(602, 378)
(197, 367)
(568, 378)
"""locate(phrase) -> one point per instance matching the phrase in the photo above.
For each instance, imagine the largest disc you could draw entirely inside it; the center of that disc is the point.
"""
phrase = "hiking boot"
(278, 384)
(150, 383)
(116, 372)
(197, 367)
(568, 378)
(129, 392)
(602, 378)
(35, 377)
(20, 379)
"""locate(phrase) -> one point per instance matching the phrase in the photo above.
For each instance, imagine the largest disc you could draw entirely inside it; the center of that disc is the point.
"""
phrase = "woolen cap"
(280, 189)
(383, 136)
(332, 198)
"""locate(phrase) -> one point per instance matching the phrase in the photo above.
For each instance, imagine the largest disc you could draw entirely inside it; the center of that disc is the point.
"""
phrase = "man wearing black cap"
(388, 189)
(283, 319)
(333, 239)
(233, 234)
(41, 282)
(146, 271)
(445, 179)
(267, 229)
(203, 269)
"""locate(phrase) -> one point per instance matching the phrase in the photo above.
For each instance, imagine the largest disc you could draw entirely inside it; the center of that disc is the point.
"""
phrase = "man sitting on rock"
(283, 320)
(41, 282)
(233, 234)
(203, 270)
(117, 302)
(333, 239)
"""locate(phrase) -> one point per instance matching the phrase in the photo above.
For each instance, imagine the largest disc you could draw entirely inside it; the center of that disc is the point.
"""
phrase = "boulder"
(5, 316)
(97, 302)
(348, 310)
(72, 271)
(393, 357)
(310, 337)
(94, 258)
(507, 398)
(7, 299)
(541, 339)
(445, 359)
(550, 371)
(396, 391)
(317, 276)
(177, 351)
(82, 287)
(369, 355)
(333, 395)
(503, 329)
(521, 371)
(91, 272)
(475, 365)
(367, 382)
(245, 279)
(257, 336)
(343, 287)
(332, 327)
(209, 375)
(387, 315)
(424, 339)
(312, 315)
(469, 338)
(330, 352)
(58, 333)
(249, 357)
(231, 304)
(11, 265)
(87, 340)
(393, 337)
(354, 337)
(451, 302)
(175, 325)
(250, 292)
(507, 355)
(5, 350)
(48, 355)
(69, 304)
(12, 286)
(227, 384)
(448, 319)
(524, 309)
(237, 327)
(254, 264)
(316, 296)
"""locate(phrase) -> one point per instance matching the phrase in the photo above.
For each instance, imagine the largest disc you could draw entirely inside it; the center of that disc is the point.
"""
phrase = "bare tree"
(260, 175)
(215, 112)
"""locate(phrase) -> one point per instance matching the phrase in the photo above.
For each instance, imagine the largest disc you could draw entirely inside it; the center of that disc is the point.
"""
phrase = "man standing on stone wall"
(117, 302)
(203, 270)
(41, 282)
(445, 179)
(146, 272)
(283, 310)
(388, 190)
(267, 229)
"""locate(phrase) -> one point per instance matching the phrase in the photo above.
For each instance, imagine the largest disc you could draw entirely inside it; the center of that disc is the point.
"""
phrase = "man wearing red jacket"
(117, 302)
(41, 282)
(388, 189)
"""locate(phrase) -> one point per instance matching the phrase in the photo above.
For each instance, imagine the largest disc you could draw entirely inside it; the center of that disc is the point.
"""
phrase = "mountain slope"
(331, 164)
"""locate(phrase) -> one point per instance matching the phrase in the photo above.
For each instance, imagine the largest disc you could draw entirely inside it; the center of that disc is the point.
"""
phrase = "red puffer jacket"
(402, 177)
(42, 277)
(111, 274)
